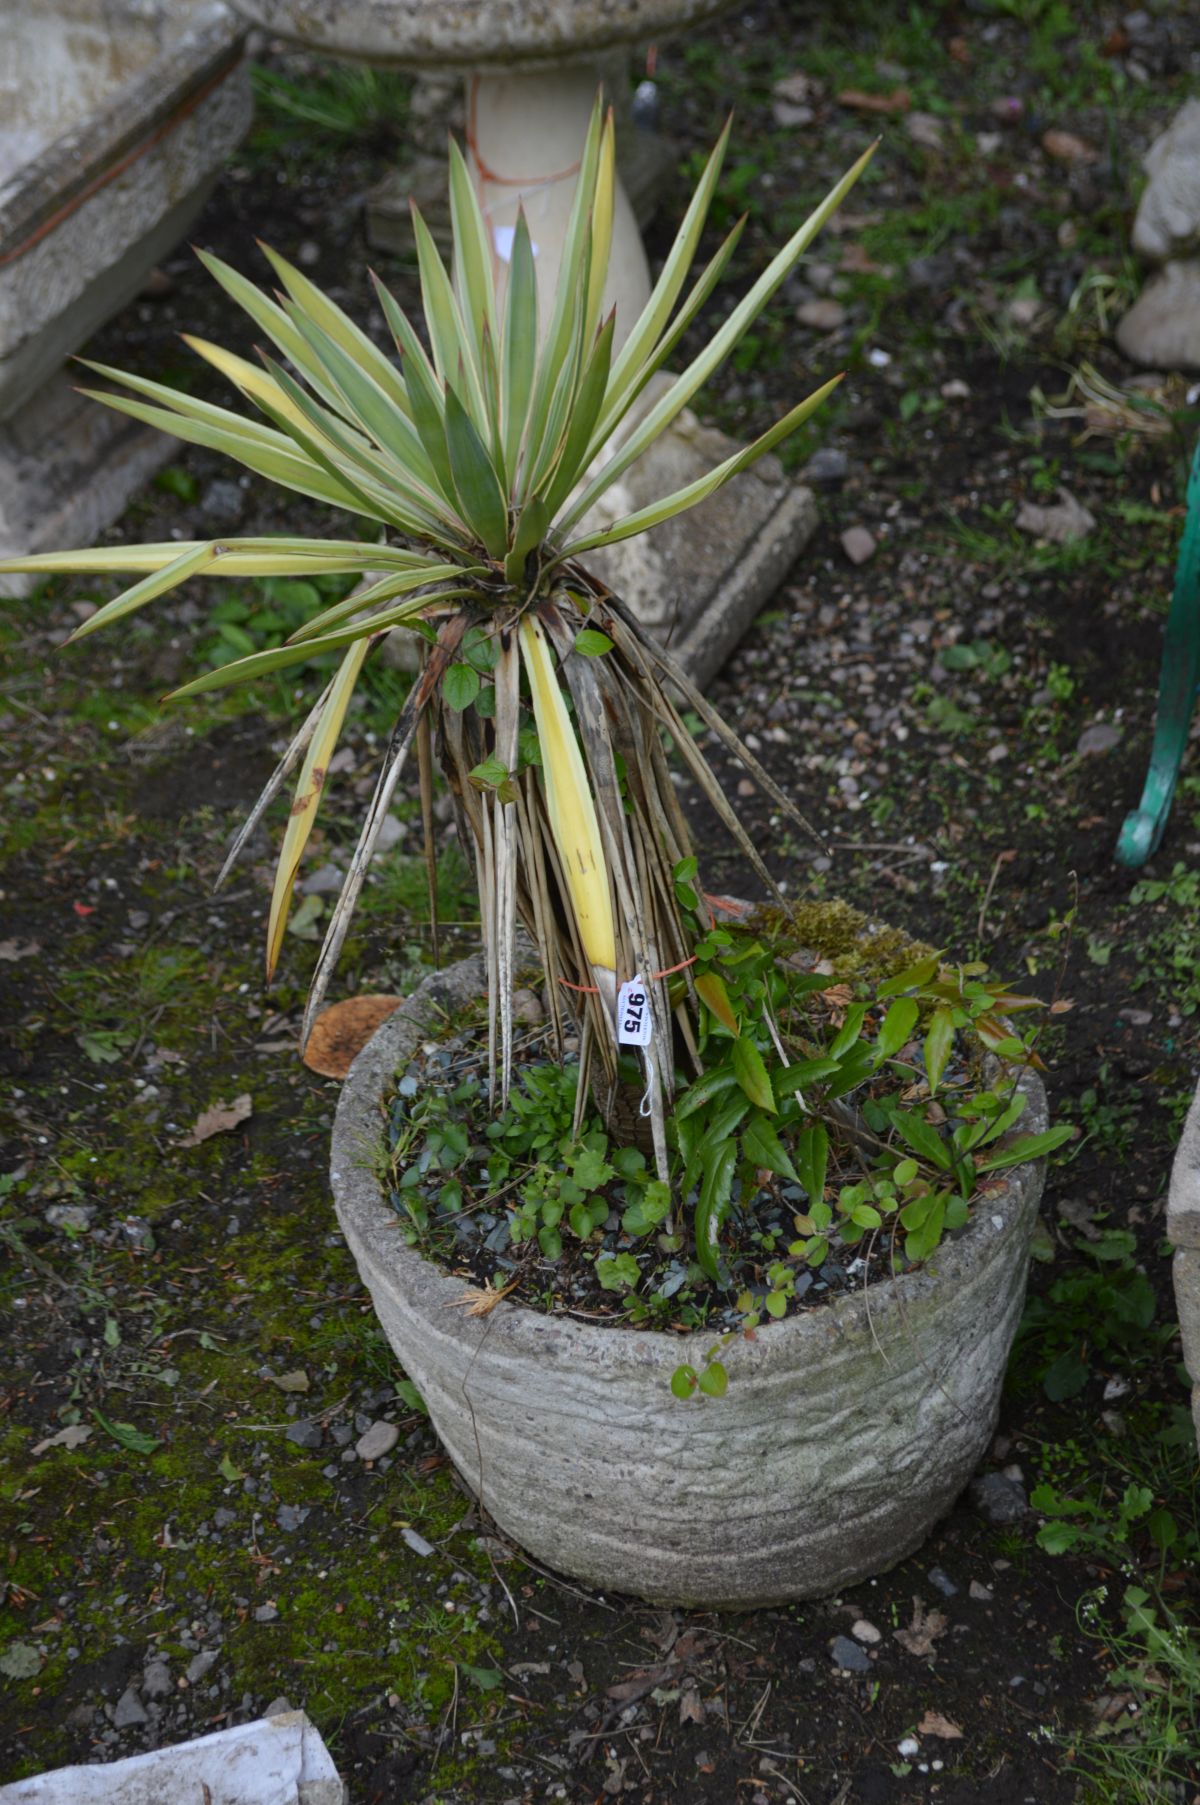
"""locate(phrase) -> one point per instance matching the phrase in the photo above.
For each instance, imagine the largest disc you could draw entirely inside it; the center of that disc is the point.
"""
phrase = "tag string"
(593, 990)
(646, 1106)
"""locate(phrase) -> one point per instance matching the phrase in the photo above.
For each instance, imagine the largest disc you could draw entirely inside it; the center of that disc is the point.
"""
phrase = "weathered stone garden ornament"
(531, 75)
(114, 123)
(1162, 328)
(1183, 1231)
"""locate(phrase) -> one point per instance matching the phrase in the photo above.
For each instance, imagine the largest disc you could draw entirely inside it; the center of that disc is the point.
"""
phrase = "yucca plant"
(546, 704)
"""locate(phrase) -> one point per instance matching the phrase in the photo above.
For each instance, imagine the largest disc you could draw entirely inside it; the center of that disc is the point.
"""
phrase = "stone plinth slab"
(139, 132)
(274, 1761)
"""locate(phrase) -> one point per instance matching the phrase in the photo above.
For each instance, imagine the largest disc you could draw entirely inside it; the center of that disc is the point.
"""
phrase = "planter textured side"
(846, 1432)
(1183, 1231)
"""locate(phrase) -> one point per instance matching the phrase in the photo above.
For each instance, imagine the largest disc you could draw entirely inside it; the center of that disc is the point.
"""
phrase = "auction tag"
(635, 1024)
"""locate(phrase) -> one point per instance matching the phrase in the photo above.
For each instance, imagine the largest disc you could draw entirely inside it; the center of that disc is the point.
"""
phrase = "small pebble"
(849, 1655)
(376, 1441)
(979, 1592)
(129, 1710)
(942, 1580)
(416, 1542)
(908, 1748)
(863, 1631)
(858, 544)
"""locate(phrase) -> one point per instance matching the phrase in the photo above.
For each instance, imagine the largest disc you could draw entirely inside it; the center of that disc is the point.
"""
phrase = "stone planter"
(845, 1434)
(1183, 1231)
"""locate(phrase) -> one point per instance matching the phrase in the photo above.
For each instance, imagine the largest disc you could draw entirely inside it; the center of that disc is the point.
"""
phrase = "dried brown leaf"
(340, 1032)
(480, 1302)
(220, 1119)
(12, 950)
(71, 1437)
(923, 1631)
(898, 101)
(934, 1724)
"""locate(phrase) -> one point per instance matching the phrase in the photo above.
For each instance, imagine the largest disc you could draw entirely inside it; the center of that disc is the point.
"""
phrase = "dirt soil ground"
(190, 1529)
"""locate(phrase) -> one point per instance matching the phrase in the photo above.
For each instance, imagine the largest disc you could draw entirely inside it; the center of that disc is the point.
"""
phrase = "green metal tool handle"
(1143, 826)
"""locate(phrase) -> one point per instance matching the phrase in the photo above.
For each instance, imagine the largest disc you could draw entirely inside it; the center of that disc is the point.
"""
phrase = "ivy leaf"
(592, 643)
(751, 1074)
(938, 1042)
(1026, 1147)
(710, 988)
(812, 1158)
(683, 1381)
(489, 774)
(460, 686)
(912, 978)
(136, 1440)
(487, 1679)
(763, 1147)
(898, 1024)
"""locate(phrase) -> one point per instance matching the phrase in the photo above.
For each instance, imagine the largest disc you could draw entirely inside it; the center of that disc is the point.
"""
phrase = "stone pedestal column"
(1183, 1231)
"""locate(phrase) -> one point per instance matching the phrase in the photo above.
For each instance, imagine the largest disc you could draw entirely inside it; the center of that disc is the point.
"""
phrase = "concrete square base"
(67, 468)
(698, 581)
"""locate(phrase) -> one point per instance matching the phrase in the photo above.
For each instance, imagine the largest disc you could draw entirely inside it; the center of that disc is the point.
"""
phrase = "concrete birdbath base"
(847, 1431)
(115, 120)
(531, 76)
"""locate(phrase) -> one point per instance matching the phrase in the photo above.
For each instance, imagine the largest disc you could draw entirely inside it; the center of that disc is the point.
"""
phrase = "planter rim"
(353, 1169)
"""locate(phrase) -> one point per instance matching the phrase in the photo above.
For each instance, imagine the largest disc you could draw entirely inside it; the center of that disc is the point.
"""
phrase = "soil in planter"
(470, 1184)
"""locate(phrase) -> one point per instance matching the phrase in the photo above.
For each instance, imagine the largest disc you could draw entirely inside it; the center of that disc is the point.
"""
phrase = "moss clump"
(854, 944)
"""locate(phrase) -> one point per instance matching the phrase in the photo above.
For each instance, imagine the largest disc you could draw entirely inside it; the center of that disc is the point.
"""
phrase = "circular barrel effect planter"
(846, 1431)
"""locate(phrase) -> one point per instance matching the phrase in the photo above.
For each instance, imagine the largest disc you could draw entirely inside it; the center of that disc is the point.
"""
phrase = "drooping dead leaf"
(220, 1119)
(934, 1724)
(12, 950)
(340, 1032)
(923, 1631)
(70, 1437)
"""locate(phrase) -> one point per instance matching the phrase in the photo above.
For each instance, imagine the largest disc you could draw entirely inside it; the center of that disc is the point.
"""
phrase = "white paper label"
(635, 1025)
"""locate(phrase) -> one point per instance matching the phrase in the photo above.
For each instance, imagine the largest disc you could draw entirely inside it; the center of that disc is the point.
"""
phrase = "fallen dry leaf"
(1059, 524)
(293, 1381)
(923, 1631)
(898, 101)
(691, 1710)
(934, 1724)
(71, 1437)
(12, 950)
(1065, 147)
(340, 1032)
(218, 1120)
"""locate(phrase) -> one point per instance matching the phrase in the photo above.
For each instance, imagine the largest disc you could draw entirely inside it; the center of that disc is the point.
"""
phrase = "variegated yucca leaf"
(475, 450)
